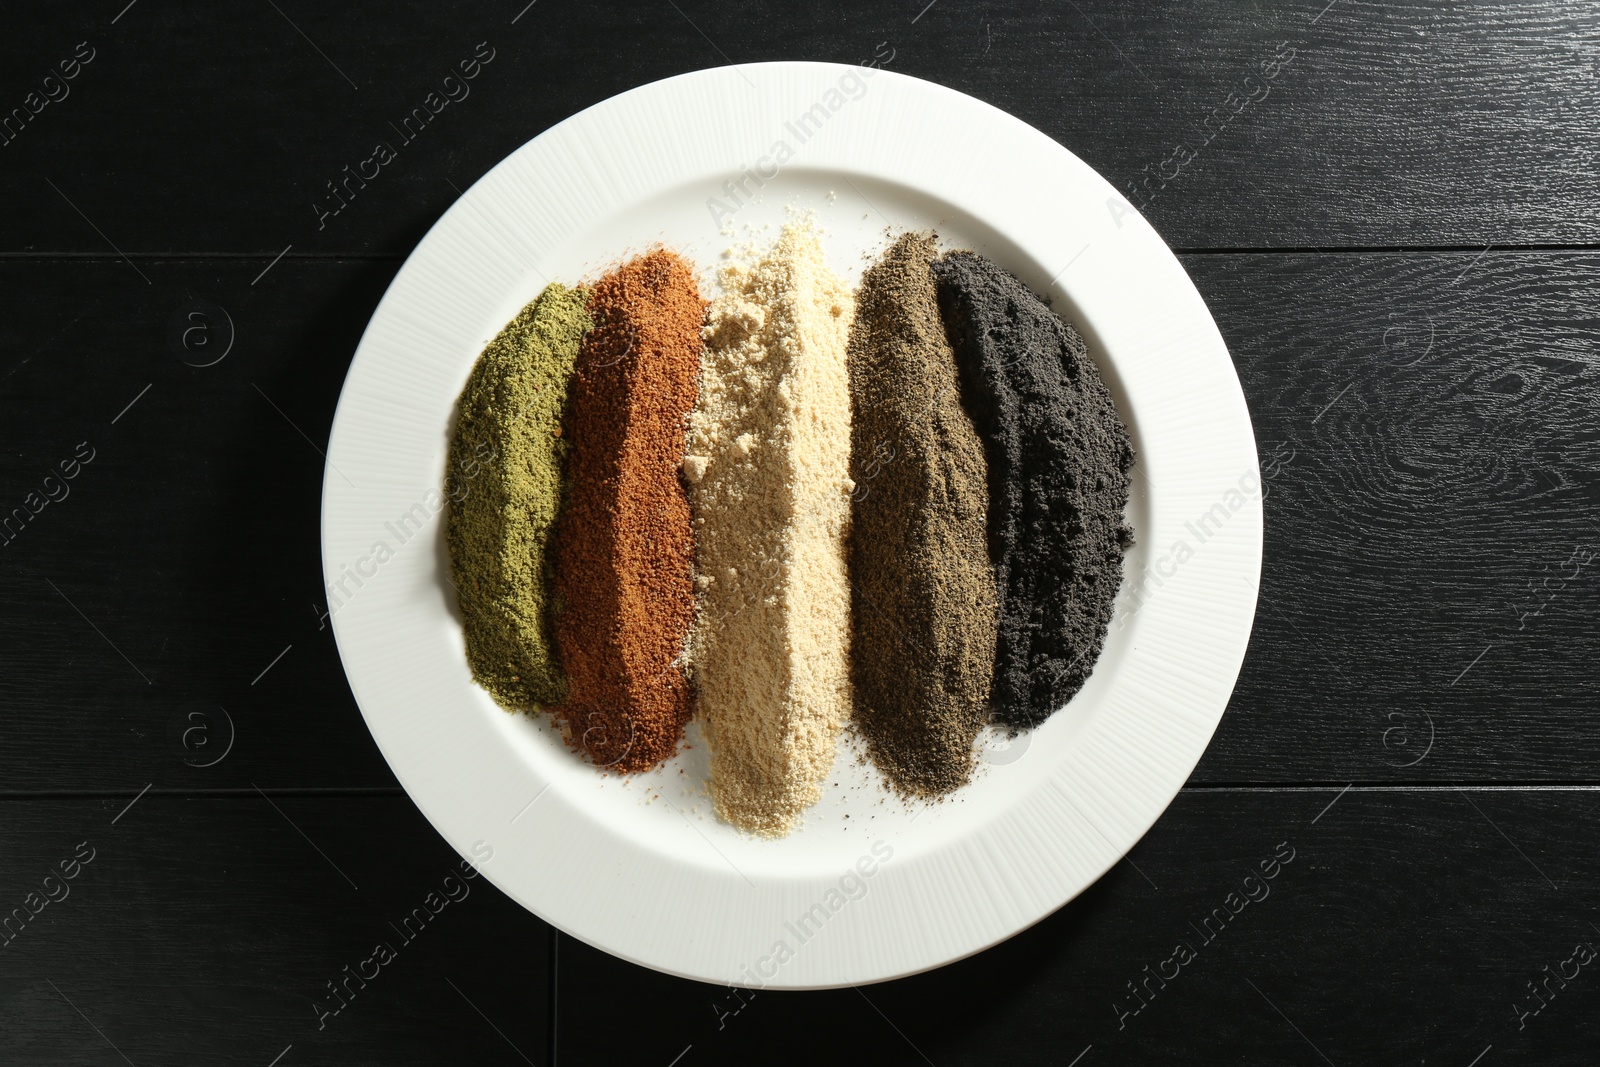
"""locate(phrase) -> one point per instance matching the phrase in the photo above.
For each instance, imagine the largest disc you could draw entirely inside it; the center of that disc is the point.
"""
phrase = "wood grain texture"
(206, 129)
(1427, 429)
(205, 931)
(1405, 911)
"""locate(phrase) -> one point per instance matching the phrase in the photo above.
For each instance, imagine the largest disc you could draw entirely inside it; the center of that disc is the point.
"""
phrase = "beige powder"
(767, 464)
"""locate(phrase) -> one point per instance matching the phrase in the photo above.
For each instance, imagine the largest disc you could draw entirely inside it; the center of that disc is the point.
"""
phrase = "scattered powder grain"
(1059, 459)
(624, 548)
(503, 485)
(924, 598)
(768, 471)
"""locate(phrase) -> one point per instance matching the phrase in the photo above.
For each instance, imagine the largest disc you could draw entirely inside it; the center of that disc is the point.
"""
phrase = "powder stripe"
(503, 486)
(768, 467)
(1059, 458)
(624, 546)
(924, 598)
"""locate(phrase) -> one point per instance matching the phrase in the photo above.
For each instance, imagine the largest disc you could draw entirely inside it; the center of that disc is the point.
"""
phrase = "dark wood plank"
(1428, 427)
(185, 558)
(205, 931)
(197, 128)
(1403, 930)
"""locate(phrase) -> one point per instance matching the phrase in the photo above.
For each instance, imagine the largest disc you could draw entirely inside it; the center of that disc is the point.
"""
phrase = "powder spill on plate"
(1059, 458)
(624, 547)
(924, 598)
(503, 483)
(768, 470)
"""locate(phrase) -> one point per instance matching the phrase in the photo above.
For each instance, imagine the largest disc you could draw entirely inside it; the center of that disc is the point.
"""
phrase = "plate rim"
(1246, 538)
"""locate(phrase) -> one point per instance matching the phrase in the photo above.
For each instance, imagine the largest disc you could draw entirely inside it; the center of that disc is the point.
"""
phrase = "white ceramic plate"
(868, 888)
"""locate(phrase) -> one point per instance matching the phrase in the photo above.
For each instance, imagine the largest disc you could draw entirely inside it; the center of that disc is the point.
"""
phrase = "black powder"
(1058, 463)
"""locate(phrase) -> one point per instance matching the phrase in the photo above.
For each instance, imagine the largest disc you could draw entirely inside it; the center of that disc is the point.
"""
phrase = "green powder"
(504, 484)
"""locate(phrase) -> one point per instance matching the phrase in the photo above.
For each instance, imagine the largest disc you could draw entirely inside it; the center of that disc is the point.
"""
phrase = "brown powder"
(924, 596)
(624, 550)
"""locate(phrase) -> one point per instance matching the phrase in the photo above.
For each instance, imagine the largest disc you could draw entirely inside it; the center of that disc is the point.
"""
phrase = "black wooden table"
(1396, 232)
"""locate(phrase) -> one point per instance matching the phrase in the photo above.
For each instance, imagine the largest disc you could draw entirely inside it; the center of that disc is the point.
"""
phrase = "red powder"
(624, 547)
